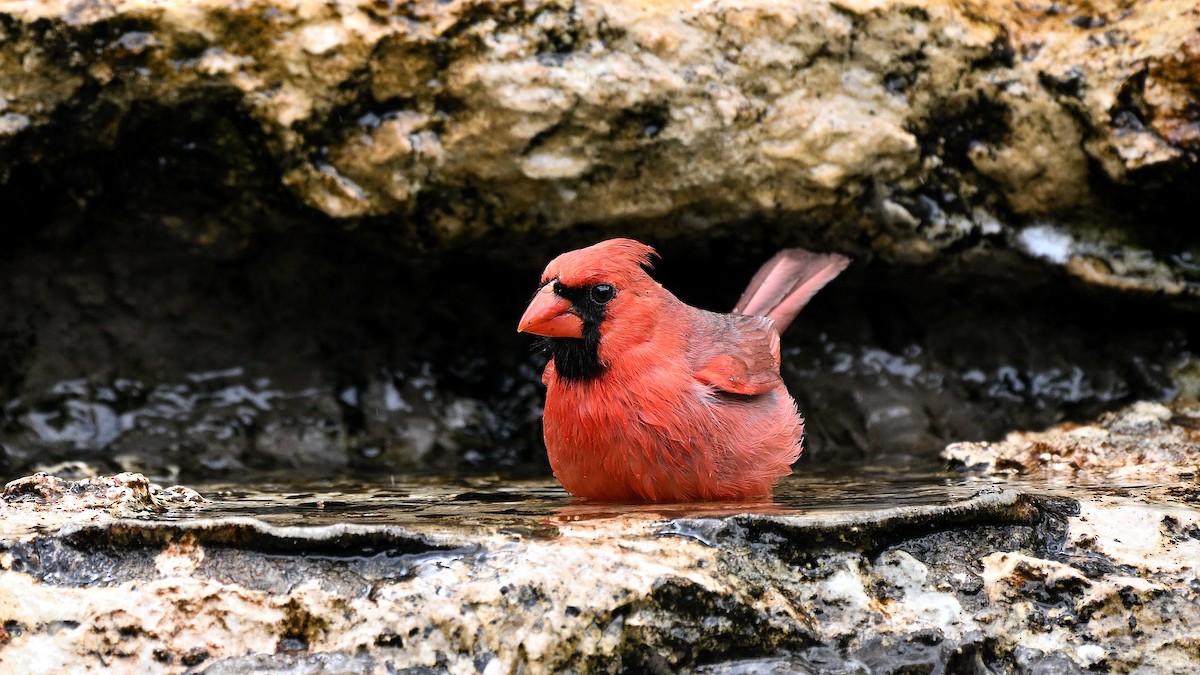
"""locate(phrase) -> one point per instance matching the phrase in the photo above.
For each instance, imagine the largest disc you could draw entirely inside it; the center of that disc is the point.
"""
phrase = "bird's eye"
(602, 293)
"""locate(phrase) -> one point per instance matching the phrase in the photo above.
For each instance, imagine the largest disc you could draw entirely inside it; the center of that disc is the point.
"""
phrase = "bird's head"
(594, 292)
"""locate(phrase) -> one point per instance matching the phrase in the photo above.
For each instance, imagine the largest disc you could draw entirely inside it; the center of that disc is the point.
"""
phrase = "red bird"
(650, 399)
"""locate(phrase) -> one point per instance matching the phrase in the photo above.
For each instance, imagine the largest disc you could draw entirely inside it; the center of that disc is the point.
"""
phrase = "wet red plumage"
(690, 405)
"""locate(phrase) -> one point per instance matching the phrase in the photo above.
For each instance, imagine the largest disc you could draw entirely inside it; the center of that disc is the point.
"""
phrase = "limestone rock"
(952, 122)
(124, 492)
(516, 577)
(1145, 440)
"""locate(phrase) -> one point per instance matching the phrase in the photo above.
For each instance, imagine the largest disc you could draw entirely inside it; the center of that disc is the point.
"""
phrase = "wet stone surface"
(125, 492)
(886, 571)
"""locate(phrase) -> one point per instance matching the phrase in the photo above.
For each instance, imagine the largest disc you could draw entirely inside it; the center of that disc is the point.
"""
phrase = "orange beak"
(550, 315)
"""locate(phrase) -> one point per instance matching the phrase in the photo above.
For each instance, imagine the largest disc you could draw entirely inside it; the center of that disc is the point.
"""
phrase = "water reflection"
(540, 507)
(498, 503)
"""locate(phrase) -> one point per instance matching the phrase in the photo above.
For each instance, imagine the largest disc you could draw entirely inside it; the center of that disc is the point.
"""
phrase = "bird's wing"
(746, 358)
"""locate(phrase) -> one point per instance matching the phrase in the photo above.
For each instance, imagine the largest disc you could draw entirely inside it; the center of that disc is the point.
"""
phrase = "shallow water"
(495, 501)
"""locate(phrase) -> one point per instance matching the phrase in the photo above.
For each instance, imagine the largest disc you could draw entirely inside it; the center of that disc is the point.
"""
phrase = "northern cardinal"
(650, 399)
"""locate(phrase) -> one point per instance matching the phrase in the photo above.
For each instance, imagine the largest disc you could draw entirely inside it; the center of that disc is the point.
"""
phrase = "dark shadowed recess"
(166, 306)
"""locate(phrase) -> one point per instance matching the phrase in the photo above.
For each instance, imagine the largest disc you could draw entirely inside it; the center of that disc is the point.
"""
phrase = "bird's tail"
(785, 284)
